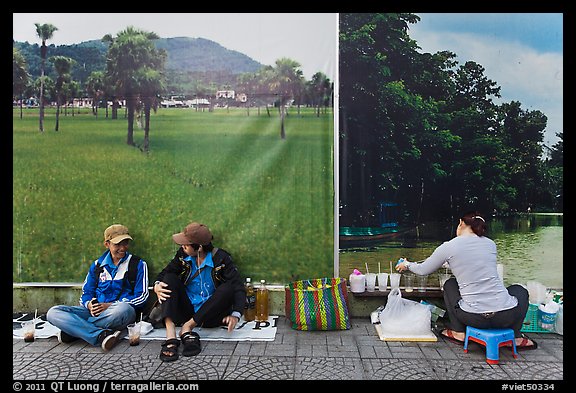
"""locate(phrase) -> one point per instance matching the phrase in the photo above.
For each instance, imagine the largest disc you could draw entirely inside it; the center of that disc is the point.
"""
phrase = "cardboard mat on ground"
(390, 336)
(244, 331)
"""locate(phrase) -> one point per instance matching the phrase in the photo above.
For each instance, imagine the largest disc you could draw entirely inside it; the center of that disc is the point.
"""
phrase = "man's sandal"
(169, 351)
(191, 342)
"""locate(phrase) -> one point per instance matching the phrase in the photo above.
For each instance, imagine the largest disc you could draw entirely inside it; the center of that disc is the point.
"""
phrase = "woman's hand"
(162, 291)
(402, 266)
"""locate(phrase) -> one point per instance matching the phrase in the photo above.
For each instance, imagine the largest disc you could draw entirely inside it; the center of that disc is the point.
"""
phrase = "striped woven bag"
(318, 304)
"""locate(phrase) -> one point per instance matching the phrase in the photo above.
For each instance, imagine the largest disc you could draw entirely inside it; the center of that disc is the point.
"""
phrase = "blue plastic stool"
(492, 339)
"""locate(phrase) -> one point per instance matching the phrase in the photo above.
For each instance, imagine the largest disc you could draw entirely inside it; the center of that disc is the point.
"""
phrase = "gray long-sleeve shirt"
(473, 262)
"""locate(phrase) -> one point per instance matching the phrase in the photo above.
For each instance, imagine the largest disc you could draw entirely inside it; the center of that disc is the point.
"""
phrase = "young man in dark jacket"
(201, 286)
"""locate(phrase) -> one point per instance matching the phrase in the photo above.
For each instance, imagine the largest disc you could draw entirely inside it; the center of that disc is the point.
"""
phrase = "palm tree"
(95, 87)
(264, 77)
(71, 89)
(63, 66)
(44, 32)
(20, 76)
(151, 83)
(320, 90)
(287, 77)
(245, 85)
(131, 50)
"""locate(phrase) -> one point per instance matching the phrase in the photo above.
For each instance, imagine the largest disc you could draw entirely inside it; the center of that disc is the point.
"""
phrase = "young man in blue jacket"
(115, 289)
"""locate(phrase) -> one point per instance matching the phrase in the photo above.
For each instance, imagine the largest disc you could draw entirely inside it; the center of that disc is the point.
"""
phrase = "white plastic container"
(547, 315)
(357, 283)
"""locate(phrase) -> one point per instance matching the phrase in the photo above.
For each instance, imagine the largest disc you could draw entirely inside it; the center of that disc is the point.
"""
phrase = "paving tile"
(328, 368)
(259, 368)
(354, 354)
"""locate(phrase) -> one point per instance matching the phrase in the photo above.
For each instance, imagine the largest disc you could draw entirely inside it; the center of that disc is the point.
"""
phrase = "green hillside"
(186, 56)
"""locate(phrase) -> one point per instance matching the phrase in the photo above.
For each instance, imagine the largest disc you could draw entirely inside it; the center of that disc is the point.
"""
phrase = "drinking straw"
(366, 264)
(390, 267)
(379, 268)
(141, 316)
(35, 314)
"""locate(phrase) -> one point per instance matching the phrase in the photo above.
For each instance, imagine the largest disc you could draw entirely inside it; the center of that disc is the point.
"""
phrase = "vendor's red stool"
(492, 339)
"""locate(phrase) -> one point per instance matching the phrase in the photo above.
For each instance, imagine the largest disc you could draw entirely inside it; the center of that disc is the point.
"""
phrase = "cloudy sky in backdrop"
(521, 52)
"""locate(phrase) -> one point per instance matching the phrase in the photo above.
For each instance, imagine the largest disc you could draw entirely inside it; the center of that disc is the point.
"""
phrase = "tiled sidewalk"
(355, 354)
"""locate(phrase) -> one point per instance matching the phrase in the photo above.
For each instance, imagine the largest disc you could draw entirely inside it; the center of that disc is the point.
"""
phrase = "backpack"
(130, 275)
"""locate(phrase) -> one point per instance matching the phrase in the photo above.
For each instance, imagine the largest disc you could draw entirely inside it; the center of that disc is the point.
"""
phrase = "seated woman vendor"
(476, 296)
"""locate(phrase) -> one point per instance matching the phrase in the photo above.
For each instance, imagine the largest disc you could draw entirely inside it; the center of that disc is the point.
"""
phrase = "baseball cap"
(194, 233)
(116, 233)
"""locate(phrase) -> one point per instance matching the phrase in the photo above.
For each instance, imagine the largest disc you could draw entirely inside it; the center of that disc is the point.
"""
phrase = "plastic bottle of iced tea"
(262, 302)
(250, 306)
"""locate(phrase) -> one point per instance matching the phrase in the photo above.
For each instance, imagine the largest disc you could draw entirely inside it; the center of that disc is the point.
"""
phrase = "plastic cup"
(357, 283)
(134, 334)
(29, 330)
(442, 278)
(382, 281)
(370, 282)
(422, 282)
(394, 280)
(408, 282)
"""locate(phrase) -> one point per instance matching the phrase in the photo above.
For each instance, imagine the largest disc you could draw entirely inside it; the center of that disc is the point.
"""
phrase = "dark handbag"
(155, 316)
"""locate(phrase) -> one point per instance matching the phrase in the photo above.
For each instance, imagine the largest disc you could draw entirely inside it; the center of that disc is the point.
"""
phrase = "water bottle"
(262, 301)
(250, 306)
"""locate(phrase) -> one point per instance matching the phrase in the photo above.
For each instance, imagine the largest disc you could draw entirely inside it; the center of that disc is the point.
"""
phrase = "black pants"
(178, 307)
(507, 319)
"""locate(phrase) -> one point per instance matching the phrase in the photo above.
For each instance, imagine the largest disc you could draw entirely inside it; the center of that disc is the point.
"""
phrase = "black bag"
(154, 314)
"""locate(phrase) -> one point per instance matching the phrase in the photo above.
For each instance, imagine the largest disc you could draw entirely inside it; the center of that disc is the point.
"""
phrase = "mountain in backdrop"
(200, 54)
(186, 56)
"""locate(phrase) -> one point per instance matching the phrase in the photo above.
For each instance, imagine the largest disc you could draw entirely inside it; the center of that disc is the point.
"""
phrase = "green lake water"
(530, 246)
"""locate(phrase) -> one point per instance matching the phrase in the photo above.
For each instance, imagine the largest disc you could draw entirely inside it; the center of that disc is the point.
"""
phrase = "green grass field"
(268, 201)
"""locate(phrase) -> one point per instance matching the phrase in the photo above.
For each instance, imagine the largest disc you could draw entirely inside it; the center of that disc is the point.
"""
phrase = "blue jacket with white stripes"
(112, 285)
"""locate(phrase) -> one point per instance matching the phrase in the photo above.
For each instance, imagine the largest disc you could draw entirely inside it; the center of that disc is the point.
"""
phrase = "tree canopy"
(422, 130)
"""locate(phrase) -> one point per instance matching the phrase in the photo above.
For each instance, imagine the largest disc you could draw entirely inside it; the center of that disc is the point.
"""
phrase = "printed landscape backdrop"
(258, 171)
(244, 138)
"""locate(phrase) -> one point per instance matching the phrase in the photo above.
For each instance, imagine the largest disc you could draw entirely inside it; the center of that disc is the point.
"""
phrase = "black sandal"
(169, 351)
(191, 342)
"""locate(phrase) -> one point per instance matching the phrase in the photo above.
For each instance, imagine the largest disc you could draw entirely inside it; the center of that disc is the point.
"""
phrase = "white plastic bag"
(404, 316)
(145, 327)
(537, 292)
(559, 324)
